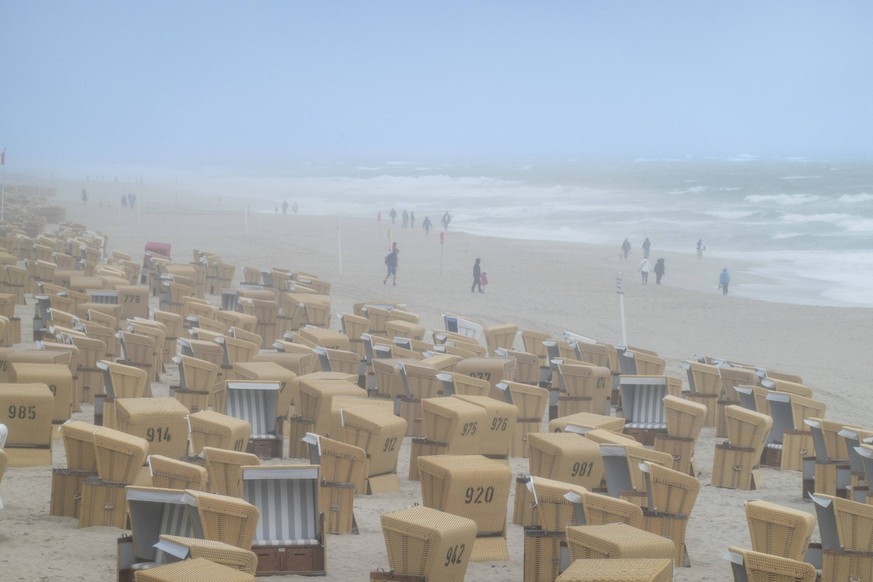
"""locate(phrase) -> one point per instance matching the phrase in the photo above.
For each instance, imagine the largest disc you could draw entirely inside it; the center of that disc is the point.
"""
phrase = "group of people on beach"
(407, 218)
(392, 259)
(659, 268)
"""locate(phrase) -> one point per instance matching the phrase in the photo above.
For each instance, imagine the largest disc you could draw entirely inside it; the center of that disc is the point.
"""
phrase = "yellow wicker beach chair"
(194, 570)
(224, 469)
(671, 498)
(119, 456)
(434, 544)
(380, 434)
(226, 519)
(343, 467)
(500, 337)
(778, 530)
(618, 570)
(123, 381)
(172, 548)
(567, 457)
(162, 421)
(28, 411)
(475, 487)
(170, 473)
(616, 540)
(751, 566)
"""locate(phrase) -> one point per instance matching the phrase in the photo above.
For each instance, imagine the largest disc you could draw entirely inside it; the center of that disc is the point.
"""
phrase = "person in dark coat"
(659, 271)
(477, 277)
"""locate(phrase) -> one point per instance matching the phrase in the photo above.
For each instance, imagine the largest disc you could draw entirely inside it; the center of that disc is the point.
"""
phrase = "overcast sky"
(280, 82)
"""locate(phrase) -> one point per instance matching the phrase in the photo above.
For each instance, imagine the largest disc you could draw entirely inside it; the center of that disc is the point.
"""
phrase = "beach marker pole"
(442, 246)
(619, 288)
(246, 214)
(339, 245)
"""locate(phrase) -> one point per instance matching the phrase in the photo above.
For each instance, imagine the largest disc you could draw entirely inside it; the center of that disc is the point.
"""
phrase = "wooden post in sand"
(619, 288)
(339, 245)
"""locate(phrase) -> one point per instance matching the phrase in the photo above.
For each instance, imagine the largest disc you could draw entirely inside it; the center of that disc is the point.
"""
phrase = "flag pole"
(339, 245)
(3, 186)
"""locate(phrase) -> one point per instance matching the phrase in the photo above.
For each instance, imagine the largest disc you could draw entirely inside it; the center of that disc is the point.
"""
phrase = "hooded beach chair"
(832, 472)
(154, 511)
(584, 387)
(170, 473)
(380, 434)
(172, 549)
(642, 402)
(531, 402)
(224, 468)
(343, 467)
(225, 519)
(289, 536)
(779, 530)
(198, 383)
(846, 532)
(257, 403)
(621, 465)
(475, 487)
(751, 566)
(671, 497)
(566, 457)
(736, 459)
(428, 543)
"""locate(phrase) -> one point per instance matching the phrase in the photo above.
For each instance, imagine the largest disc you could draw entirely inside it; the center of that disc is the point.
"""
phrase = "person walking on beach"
(426, 224)
(700, 248)
(392, 261)
(645, 269)
(412, 219)
(393, 215)
(477, 277)
(284, 207)
(724, 280)
(84, 197)
(446, 220)
(405, 219)
(646, 246)
(625, 248)
(659, 271)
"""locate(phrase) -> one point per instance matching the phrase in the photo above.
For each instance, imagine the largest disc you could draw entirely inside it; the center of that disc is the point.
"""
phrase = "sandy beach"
(544, 286)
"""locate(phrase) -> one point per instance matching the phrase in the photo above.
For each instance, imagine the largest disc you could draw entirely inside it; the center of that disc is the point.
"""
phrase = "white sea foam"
(784, 199)
(855, 198)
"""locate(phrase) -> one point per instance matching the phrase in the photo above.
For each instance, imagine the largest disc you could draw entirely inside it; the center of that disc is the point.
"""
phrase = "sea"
(803, 227)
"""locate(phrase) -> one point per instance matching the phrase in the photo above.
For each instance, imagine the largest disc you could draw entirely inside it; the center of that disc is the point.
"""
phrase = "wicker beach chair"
(618, 570)
(30, 427)
(119, 456)
(566, 457)
(624, 478)
(172, 548)
(153, 512)
(616, 540)
(751, 566)
(289, 537)
(500, 336)
(426, 542)
(257, 403)
(198, 382)
(671, 498)
(642, 402)
(735, 460)
(224, 468)
(193, 570)
(833, 474)
(123, 381)
(531, 402)
(162, 421)
(343, 467)
(778, 530)
(170, 473)
(475, 487)
(585, 388)
(380, 434)
(226, 519)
